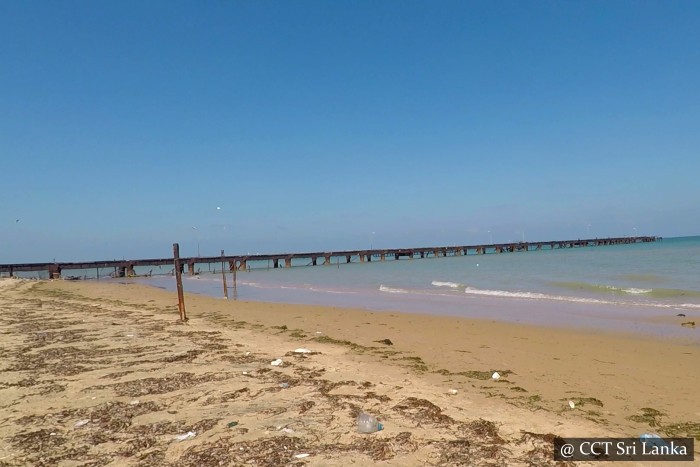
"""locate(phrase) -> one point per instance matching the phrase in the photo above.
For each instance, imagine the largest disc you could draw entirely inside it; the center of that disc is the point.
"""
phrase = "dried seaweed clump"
(687, 429)
(39, 440)
(541, 452)
(116, 416)
(168, 428)
(485, 430)
(187, 357)
(456, 452)
(649, 416)
(146, 386)
(422, 411)
(279, 450)
(381, 449)
(134, 446)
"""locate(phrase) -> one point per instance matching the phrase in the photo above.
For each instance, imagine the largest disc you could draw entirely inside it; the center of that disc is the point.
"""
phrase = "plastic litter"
(301, 456)
(80, 423)
(366, 423)
(277, 362)
(284, 385)
(452, 392)
(495, 376)
(188, 435)
(135, 402)
(653, 439)
(572, 405)
(302, 350)
(231, 424)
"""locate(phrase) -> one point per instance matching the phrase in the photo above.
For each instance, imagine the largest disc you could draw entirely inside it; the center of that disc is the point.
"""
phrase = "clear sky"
(274, 126)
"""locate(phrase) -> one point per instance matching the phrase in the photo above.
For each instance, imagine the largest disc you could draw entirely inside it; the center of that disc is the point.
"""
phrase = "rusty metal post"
(235, 285)
(223, 274)
(178, 280)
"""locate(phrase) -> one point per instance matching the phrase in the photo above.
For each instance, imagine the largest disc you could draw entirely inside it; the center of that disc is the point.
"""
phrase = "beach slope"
(96, 373)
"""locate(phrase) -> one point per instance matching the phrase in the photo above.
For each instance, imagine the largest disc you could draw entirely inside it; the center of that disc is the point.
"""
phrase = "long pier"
(125, 268)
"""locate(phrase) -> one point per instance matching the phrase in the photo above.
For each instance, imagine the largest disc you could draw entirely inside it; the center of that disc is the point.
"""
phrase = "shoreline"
(621, 384)
(599, 316)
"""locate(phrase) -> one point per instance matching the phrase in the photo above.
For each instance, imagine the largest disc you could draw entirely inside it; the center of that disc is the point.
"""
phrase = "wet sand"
(104, 374)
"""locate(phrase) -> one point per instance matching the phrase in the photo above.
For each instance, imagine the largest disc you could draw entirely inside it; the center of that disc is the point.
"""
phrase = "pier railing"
(125, 268)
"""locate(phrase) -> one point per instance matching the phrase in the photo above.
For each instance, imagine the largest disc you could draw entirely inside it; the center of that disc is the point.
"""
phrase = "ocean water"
(606, 287)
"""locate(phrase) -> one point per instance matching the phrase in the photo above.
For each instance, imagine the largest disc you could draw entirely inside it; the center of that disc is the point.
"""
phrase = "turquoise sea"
(620, 287)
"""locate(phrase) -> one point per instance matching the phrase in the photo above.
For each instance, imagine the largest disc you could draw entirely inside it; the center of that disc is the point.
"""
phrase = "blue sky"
(312, 124)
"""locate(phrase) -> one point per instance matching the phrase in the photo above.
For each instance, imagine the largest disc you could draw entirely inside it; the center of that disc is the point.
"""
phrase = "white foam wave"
(383, 288)
(339, 292)
(452, 285)
(532, 296)
(631, 290)
(636, 291)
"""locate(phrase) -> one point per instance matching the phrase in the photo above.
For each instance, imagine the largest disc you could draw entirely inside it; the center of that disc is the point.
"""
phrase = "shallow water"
(617, 287)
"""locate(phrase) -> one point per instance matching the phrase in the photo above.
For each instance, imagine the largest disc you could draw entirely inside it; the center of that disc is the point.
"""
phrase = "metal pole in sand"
(223, 274)
(178, 280)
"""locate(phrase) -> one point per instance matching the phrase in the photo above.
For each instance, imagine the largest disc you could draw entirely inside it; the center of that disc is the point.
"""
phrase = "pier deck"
(125, 268)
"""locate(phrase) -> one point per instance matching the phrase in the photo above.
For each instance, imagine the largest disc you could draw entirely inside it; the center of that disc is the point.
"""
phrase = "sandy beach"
(103, 373)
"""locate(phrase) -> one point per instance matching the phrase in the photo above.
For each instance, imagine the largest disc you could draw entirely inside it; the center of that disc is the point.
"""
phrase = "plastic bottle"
(366, 423)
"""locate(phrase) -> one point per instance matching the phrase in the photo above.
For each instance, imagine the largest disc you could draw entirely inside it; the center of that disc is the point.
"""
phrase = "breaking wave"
(453, 285)
(383, 288)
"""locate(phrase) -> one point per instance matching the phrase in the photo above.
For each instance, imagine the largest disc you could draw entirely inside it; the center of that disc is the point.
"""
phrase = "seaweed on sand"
(277, 450)
(146, 386)
(422, 411)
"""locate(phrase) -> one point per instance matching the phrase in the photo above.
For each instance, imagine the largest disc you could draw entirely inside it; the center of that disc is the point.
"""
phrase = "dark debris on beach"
(133, 417)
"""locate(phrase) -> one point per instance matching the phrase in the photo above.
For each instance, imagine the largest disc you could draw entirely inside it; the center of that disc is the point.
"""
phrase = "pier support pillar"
(422, 254)
(382, 257)
(231, 265)
(287, 262)
(362, 258)
(347, 258)
(327, 260)
(190, 267)
(275, 263)
(130, 271)
(313, 260)
(243, 265)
